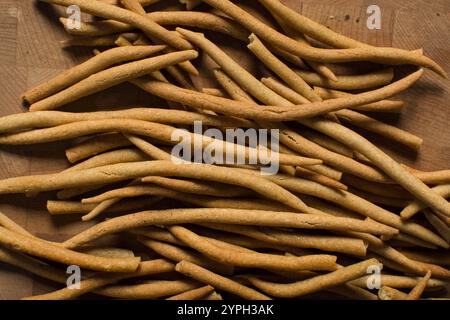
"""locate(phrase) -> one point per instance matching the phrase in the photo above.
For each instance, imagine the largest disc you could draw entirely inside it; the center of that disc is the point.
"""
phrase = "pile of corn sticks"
(340, 218)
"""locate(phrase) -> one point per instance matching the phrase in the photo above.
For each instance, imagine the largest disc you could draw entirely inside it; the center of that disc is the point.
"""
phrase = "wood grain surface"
(30, 53)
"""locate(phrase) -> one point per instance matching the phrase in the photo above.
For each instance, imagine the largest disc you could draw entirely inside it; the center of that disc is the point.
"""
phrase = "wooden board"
(30, 53)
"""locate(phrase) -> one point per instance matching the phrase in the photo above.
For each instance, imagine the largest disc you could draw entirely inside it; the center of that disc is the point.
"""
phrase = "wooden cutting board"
(30, 53)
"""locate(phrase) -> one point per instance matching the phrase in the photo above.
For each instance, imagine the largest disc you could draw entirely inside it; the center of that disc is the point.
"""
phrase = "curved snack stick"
(380, 106)
(97, 281)
(111, 77)
(149, 149)
(149, 290)
(440, 226)
(148, 26)
(316, 283)
(110, 157)
(199, 187)
(178, 254)
(96, 145)
(434, 177)
(10, 224)
(296, 239)
(124, 171)
(194, 294)
(253, 260)
(157, 131)
(326, 181)
(400, 282)
(417, 291)
(203, 275)
(374, 54)
(59, 207)
(44, 249)
(408, 181)
(100, 62)
(283, 71)
(224, 216)
(415, 207)
(370, 80)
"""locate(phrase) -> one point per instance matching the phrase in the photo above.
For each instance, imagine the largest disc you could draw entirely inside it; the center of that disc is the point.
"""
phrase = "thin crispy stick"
(194, 294)
(10, 224)
(97, 281)
(148, 148)
(434, 177)
(215, 92)
(391, 191)
(399, 282)
(316, 283)
(416, 206)
(283, 71)
(157, 131)
(380, 106)
(178, 254)
(110, 157)
(440, 226)
(355, 203)
(370, 80)
(110, 77)
(100, 62)
(44, 249)
(297, 239)
(252, 259)
(320, 68)
(422, 284)
(199, 187)
(202, 20)
(137, 8)
(374, 54)
(100, 41)
(313, 176)
(388, 293)
(225, 216)
(380, 128)
(148, 26)
(203, 275)
(58, 207)
(95, 145)
(149, 290)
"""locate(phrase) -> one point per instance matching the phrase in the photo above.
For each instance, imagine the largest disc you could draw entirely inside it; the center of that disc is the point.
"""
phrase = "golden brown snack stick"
(371, 80)
(400, 282)
(44, 249)
(95, 145)
(148, 26)
(224, 216)
(58, 207)
(440, 226)
(152, 289)
(415, 206)
(252, 259)
(194, 294)
(434, 177)
(417, 291)
(215, 92)
(199, 187)
(326, 181)
(108, 252)
(357, 204)
(380, 106)
(110, 157)
(97, 281)
(314, 284)
(297, 239)
(408, 181)
(124, 171)
(10, 224)
(100, 62)
(283, 71)
(380, 128)
(178, 254)
(433, 257)
(374, 54)
(203, 275)
(100, 41)
(148, 148)
(110, 77)
(388, 293)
